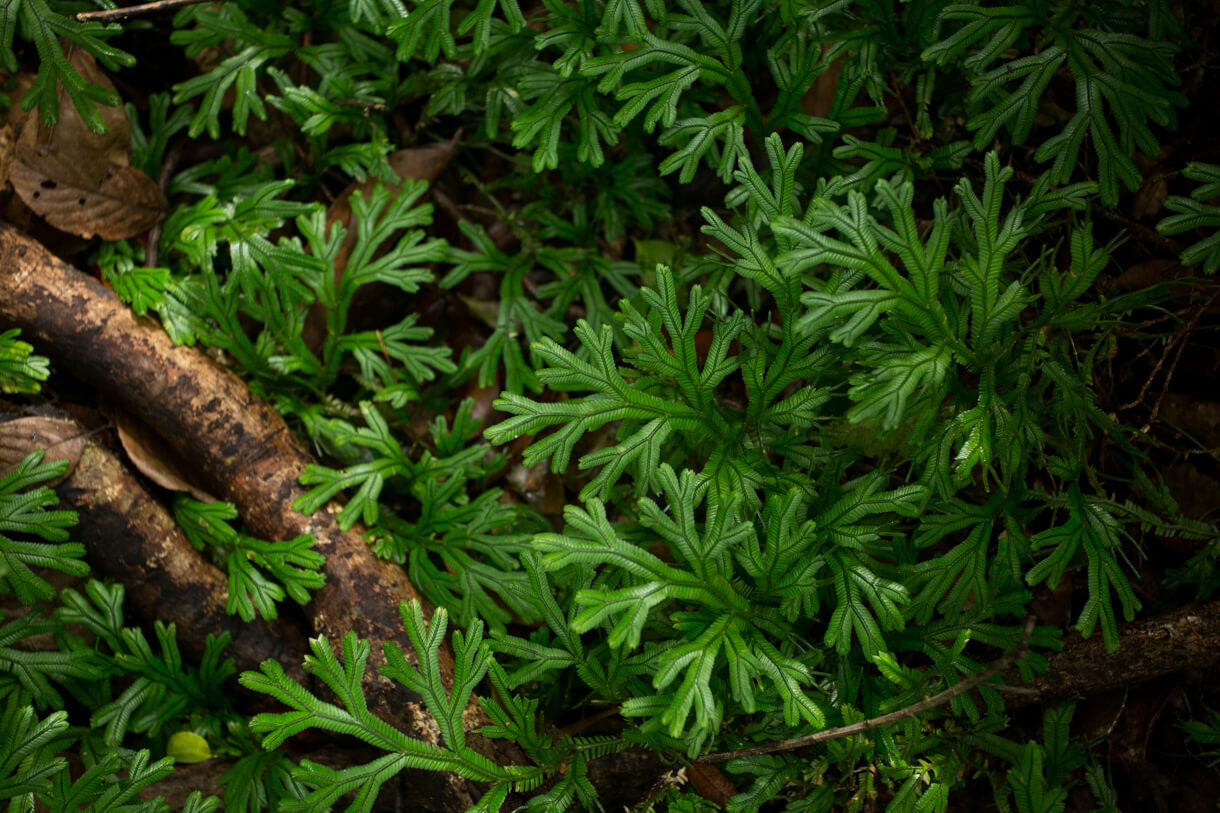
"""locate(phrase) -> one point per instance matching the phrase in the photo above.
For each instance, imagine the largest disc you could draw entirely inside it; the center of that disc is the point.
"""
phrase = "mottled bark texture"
(242, 452)
(1173, 641)
(130, 538)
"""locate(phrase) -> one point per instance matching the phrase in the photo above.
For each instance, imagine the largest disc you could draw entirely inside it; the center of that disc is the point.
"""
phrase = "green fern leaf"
(699, 137)
(426, 29)
(1196, 212)
(649, 417)
(661, 92)
(991, 309)
(239, 71)
(20, 369)
(1091, 530)
(24, 505)
(1003, 25)
(865, 604)
(38, 22)
(22, 737)
(29, 674)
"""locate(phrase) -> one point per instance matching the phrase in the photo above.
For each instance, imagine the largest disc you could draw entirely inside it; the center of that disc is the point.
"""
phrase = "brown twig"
(886, 719)
(1186, 331)
(1178, 344)
(130, 538)
(896, 87)
(114, 15)
(1144, 232)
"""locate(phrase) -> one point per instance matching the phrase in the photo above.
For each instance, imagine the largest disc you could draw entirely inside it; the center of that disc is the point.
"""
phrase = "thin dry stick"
(1139, 399)
(1179, 344)
(885, 719)
(1145, 233)
(114, 15)
(1186, 331)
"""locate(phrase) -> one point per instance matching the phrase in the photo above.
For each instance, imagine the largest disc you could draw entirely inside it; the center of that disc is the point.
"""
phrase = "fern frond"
(26, 512)
(239, 71)
(649, 418)
(1197, 213)
(22, 737)
(1091, 530)
(44, 26)
(20, 369)
(699, 137)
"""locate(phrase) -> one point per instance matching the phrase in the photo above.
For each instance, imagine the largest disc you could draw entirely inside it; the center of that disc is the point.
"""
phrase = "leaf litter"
(82, 182)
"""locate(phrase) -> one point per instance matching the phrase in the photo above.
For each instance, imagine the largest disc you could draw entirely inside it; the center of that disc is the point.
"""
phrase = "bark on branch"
(1176, 640)
(130, 538)
(242, 451)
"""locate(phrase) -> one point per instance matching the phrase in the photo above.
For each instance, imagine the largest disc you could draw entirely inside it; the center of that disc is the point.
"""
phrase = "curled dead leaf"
(81, 182)
(1145, 274)
(710, 783)
(1150, 198)
(74, 196)
(152, 456)
(60, 439)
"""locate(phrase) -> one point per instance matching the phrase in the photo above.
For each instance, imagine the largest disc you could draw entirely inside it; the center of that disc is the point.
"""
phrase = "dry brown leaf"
(486, 310)
(84, 198)
(710, 783)
(61, 439)
(152, 456)
(542, 488)
(81, 181)
(424, 163)
(1144, 274)
(1149, 199)
(70, 131)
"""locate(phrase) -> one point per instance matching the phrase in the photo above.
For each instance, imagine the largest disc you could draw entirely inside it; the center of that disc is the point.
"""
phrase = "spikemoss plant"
(822, 426)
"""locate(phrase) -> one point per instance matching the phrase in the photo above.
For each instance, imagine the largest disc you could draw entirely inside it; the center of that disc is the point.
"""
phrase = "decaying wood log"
(131, 539)
(1176, 640)
(243, 453)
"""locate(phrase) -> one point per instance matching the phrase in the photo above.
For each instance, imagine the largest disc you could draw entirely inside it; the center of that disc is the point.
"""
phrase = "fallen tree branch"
(130, 538)
(133, 540)
(243, 452)
(1173, 641)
